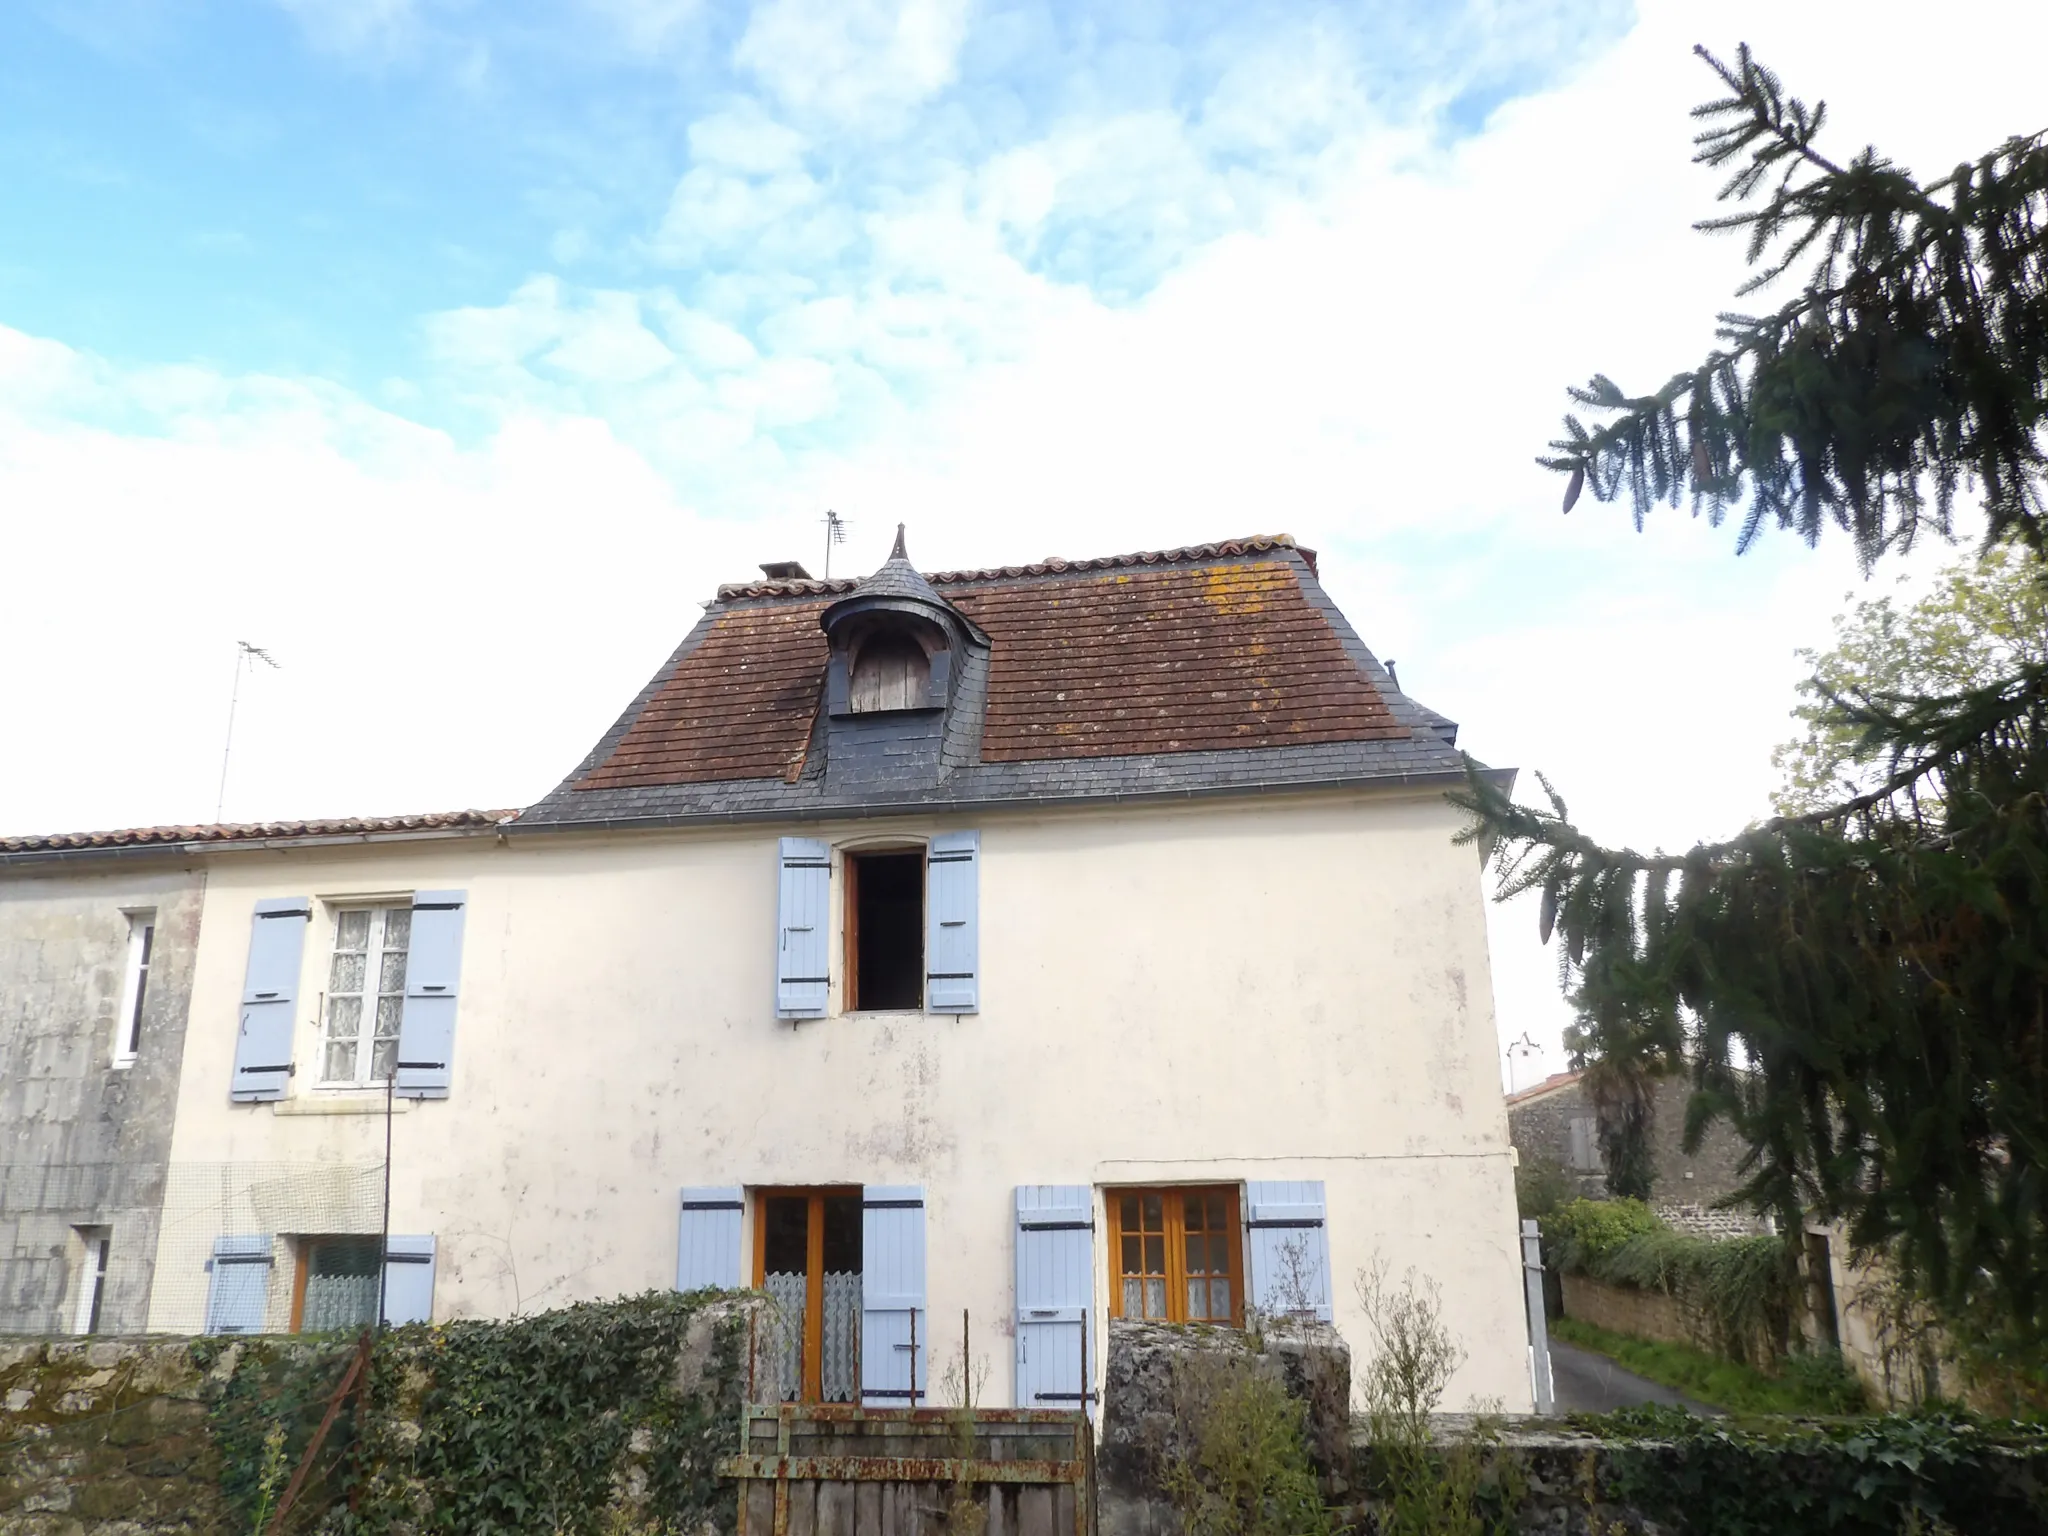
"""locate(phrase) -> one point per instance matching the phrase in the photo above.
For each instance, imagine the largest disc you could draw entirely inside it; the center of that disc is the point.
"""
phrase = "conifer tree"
(1861, 989)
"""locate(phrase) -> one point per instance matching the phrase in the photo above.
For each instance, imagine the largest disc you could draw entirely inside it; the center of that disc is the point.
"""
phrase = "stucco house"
(1048, 943)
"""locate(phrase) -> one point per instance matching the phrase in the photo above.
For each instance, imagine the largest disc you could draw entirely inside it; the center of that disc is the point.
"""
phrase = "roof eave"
(1501, 778)
(208, 847)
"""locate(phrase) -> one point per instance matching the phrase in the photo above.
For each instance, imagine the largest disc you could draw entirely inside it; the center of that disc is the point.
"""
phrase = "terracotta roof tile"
(1177, 660)
(1055, 566)
(1213, 646)
(255, 831)
(737, 706)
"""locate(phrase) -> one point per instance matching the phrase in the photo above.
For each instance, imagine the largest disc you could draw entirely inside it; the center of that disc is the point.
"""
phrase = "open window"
(1176, 1255)
(807, 1257)
(885, 930)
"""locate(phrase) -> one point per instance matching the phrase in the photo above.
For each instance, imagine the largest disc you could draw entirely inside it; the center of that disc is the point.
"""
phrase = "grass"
(1810, 1385)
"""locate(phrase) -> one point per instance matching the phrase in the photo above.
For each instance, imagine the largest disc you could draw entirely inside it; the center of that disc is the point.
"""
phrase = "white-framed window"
(134, 987)
(92, 1278)
(365, 996)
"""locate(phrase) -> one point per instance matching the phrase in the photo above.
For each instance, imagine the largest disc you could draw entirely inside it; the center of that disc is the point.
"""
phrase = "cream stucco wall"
(1292, 987)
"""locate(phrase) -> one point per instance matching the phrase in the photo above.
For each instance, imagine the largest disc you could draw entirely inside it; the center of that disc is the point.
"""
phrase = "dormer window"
(894, 647)
(890, 671)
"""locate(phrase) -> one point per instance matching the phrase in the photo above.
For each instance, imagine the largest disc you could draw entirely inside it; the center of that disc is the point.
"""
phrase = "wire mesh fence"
(113, 1248)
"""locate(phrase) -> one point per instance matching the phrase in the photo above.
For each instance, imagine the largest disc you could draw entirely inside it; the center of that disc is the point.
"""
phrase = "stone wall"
(1141, 1419)
(108, 1435)
(1623, 1309)
(1539, 1124)
(83, 1142)
(166, 1437)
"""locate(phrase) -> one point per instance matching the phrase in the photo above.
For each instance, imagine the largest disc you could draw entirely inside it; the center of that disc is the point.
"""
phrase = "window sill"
(324, 1103)
(123, 1063)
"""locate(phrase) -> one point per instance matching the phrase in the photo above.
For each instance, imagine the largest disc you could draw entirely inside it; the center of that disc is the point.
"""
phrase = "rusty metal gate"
(829, 1469)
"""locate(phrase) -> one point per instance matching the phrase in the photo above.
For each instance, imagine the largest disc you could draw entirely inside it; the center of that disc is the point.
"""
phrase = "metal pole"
(966, 1365)
(384, 1228)
(1084, 1364)
(234, 698)
(1539, 1325)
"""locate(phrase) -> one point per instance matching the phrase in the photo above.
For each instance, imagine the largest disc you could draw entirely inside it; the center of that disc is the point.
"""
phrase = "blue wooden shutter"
(433, 970)
(708, 1238)
(892, 1311)
(953, 923)
(1055, 1284)
(238, 1284)
(803, 929)
(1288, 1248)
(263, 1043)
(408, 1279)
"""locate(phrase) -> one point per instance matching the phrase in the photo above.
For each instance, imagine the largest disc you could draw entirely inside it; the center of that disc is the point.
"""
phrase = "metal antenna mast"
(835, 533)
(245, 655)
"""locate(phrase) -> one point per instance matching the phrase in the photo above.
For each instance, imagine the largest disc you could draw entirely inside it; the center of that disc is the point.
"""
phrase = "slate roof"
(255, 832)
(1214, 668)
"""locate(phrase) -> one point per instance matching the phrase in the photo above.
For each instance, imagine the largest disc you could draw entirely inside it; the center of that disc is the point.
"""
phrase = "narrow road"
(1590, 1383)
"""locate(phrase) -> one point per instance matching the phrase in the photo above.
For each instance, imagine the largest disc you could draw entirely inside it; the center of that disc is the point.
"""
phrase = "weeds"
(1425, 1488)
(1241, 1466)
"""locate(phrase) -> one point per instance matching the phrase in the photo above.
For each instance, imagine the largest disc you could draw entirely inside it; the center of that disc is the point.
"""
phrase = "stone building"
(1554, 1122)
(95, 978)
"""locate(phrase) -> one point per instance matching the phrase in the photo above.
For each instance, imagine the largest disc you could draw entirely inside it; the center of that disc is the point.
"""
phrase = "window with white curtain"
(365, 995)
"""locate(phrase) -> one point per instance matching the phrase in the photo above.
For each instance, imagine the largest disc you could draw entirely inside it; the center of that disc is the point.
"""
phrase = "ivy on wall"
(1874, 1476)
(1740, 1289)
(598, 1418)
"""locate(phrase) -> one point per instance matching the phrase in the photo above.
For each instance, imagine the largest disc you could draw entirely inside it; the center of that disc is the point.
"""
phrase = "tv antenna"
(835, 533)
(246, 656)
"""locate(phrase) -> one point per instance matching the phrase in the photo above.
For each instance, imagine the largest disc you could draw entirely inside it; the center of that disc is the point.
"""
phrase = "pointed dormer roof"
(895, 585)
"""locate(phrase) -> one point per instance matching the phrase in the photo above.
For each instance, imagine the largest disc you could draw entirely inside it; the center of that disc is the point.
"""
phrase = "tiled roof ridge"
(1254, 544)
(255, 831)
(1550, 1084)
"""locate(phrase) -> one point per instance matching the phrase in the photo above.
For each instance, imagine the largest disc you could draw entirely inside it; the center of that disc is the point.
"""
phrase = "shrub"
(1541, 1186)
(1240, 1466)
(1738, 1291)
(1583, 1232)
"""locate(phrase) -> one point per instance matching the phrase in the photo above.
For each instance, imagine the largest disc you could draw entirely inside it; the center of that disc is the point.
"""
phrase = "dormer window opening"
(890, 671)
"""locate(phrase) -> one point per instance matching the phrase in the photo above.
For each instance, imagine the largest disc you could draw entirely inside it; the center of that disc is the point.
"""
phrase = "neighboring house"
(95, 973)
(1047, 944)
(1555, 1122)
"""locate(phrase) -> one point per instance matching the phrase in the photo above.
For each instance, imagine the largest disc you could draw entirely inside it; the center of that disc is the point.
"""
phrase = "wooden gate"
(829, 1469)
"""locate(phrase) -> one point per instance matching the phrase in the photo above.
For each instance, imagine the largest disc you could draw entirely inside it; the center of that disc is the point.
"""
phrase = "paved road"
(1590, 1383)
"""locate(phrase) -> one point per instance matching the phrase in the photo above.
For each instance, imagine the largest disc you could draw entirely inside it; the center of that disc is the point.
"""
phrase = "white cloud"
(854, 62)
(355, 26)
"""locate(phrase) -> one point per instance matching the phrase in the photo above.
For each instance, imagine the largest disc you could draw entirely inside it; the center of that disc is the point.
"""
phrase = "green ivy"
(1740, 1289)
(277, 1387)
(539, 1423)
(1858, 1477)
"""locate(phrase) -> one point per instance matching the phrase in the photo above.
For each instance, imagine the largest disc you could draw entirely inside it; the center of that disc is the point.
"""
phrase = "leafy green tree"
(1861, 989)
(1986, 615)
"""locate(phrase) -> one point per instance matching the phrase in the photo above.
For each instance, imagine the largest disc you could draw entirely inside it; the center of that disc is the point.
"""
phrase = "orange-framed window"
(807, 1257)
(1176, 1255)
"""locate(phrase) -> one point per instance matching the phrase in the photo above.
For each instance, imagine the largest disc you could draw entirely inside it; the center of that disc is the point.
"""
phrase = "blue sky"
(455, 350)
(296, 188)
